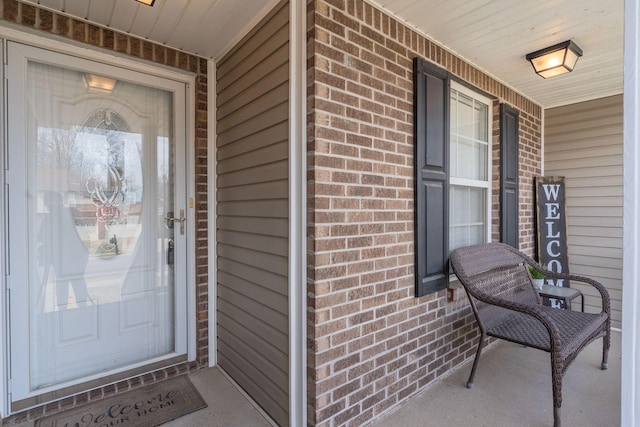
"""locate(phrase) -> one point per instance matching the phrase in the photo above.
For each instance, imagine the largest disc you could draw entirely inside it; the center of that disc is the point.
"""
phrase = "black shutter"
(431, 158)
(509, 176)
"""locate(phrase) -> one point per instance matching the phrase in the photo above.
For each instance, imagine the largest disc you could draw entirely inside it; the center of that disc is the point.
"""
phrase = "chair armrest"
(604, 294)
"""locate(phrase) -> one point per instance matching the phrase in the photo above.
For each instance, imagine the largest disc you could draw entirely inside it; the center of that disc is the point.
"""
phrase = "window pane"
(465, 116)
(482, 139)
(476, 234)
(459, 206)
(480, 155)
(469, 137)
(458, 237)
(477, 204)
(468, 220)
(466, 161)
(481, 131)
(469, 161)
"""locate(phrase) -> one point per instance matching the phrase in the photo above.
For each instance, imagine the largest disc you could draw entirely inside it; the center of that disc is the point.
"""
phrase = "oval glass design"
(105, 181)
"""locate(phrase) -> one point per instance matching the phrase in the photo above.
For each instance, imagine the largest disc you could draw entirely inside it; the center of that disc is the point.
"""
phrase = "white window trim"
(471, 182)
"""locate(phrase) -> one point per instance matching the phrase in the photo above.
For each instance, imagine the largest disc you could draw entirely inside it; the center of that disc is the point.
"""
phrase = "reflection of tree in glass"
(102, 166)
(53, 148)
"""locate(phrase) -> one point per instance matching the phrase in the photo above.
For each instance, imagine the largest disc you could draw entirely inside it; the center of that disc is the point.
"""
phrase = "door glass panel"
(105, 176)
(99, 184)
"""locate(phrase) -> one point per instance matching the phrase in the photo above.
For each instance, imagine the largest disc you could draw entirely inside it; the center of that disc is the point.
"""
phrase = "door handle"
(170, 220)
(170, 254)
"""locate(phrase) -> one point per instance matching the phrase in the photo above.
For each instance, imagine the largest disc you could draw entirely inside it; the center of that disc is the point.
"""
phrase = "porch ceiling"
(495, 35)
(207, 28)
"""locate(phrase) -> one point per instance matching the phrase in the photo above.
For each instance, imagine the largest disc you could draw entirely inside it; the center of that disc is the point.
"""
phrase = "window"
(453, 172)
(470, 166)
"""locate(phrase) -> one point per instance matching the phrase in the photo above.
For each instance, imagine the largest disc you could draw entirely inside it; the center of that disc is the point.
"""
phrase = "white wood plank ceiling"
(206, 28)
(495, 35)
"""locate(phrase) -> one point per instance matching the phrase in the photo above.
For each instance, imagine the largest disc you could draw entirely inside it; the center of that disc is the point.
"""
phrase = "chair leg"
(606, 343)
(556, 417)
(556, 381)
(475, 361)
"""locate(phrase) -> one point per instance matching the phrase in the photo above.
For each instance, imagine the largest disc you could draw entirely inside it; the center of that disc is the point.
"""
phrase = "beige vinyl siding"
(252, 213)
(583, 143)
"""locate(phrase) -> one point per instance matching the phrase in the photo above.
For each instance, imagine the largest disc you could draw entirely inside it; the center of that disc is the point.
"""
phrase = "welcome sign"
(552, 226)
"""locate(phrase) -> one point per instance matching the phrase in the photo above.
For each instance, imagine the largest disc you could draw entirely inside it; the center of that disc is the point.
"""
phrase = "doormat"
(144, 407)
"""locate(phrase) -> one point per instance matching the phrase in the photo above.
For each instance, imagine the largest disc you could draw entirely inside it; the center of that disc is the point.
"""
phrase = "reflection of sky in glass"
(164, 168)
(163, 158)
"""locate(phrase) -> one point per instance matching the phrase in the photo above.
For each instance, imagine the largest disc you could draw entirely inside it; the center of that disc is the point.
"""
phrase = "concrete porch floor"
(512, 388)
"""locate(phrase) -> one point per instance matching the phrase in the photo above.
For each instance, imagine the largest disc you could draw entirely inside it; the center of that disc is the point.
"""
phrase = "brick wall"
(109, 41)
(372, 344)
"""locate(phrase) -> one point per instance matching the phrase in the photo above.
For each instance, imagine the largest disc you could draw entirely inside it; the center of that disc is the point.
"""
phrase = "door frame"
(73, 48)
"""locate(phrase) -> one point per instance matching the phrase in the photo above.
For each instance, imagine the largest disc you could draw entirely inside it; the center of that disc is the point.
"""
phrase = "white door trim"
(4, 402)
(74, 48)
(297, 213)
(630, 386)
(211, 213)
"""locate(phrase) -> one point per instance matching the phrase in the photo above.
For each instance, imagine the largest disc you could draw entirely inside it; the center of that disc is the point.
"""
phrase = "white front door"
(96, 184)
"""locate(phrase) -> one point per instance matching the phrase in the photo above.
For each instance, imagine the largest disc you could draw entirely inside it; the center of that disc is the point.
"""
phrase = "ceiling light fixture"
(555, 60)
(98, 84)
(147, 2)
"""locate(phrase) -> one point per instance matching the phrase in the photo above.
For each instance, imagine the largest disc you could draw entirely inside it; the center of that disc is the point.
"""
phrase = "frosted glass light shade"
(555, 60)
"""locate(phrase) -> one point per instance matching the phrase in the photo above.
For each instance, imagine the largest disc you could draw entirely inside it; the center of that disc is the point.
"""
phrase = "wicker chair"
(506, 306)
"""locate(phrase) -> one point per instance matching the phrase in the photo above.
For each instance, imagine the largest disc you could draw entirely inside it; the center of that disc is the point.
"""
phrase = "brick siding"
(372, 344)
(110, 41)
